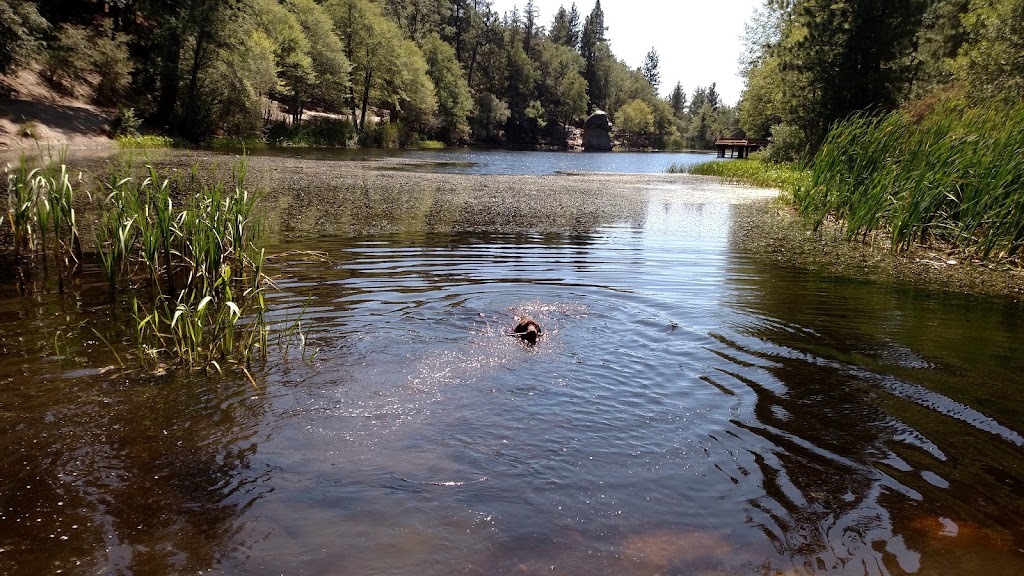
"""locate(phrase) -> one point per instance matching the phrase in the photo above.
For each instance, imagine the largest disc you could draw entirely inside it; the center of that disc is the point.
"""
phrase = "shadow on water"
(885, 420)
(109, 471)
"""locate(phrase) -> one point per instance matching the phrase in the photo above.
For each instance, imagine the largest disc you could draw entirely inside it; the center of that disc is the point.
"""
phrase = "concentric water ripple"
(676, 416)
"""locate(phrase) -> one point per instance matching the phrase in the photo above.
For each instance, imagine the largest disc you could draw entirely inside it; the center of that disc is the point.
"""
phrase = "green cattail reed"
(955, 176)
(200, 237)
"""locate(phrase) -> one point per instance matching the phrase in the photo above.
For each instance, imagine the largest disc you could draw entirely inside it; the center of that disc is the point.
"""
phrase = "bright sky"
(698, 41)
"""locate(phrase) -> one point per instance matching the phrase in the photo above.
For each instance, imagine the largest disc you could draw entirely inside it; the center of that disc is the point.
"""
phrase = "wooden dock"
(738, 148)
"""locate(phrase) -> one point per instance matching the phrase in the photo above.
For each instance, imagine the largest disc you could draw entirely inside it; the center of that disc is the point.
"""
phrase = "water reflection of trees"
(843, 455)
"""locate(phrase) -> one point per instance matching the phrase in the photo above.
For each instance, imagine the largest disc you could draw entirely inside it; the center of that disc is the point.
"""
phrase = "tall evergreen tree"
(677, 99)
(842, 56)
(591, 39)
(574, 27)
(559, 31)
(650, 68)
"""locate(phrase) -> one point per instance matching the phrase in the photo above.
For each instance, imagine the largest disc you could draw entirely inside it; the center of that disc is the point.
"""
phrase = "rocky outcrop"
(597, 132)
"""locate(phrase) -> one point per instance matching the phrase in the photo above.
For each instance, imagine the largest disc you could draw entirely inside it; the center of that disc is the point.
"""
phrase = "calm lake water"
(507, 162)
(690, 409)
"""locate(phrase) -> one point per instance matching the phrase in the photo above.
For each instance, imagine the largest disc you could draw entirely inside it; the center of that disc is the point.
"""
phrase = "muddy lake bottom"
(692, 407)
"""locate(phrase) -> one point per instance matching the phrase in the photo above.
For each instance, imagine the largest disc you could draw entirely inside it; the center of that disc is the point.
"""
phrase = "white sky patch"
(698, 41)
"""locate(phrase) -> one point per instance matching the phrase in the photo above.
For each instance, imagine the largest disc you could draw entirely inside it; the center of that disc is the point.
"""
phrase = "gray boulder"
(597, 132)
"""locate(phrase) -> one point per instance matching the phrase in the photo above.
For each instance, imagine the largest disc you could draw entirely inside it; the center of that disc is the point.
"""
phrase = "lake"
(692, 408)
(505, 162)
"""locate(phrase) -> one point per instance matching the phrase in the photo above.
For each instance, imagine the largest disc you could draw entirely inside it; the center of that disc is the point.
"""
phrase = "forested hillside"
(377, 72)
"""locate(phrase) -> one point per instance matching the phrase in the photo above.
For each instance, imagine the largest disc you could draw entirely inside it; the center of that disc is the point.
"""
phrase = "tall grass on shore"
(956, 176)
(40, 213)
(144, 142)
(191, 242)
(755, 172)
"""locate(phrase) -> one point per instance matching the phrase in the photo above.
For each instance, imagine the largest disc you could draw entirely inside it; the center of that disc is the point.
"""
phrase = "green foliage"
(228, 68)
(992, 62)
(388, 71)
(292, 51)
(677, 99)
(785, 177)
(315, 131)
(79, 56)
(455, 103)
(125, 123)
(762, 104)
(787, 145)
(112, 65)
(40, 210)
(536, 114)
(328, 84)
(143, 142)
(21, 27)
(948, 177)
(939, 39)
(193, 240)
(565, 28)
(65, 61)
(382, 135)
(563, 91)
(650, 68)
(597, 55)
(817, 62)
(633, 121)
(491, 116)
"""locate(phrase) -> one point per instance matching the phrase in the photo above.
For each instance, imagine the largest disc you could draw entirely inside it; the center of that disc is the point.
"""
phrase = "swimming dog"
(527, 330)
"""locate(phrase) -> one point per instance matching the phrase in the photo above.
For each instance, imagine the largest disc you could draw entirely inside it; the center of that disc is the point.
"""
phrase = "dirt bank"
(35, 117)
(774, 231)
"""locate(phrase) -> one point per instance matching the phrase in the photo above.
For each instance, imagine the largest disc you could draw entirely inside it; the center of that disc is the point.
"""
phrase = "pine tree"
(650, 68)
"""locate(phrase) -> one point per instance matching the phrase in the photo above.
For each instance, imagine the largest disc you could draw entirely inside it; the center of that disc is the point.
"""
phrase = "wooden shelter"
(738, 147)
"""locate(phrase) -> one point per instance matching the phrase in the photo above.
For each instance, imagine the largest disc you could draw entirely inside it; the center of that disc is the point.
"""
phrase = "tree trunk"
(169, 79)
(366, 98)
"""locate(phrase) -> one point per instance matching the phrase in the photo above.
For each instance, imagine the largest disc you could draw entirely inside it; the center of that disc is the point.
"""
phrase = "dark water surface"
(690, 410)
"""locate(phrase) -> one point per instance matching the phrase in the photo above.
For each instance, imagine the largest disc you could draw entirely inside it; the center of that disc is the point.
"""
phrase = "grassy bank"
(755, 172)
(954, 177)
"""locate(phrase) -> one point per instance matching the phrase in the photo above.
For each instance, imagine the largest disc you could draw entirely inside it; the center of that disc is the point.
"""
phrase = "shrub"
(317, 131)
(381, 135)
(788, 144)
(66, 62)
(112, 64)
(125, 123)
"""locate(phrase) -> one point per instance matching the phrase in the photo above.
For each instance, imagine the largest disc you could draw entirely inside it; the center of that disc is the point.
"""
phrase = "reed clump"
(40, 214)
(191, 242)
(954, 176)
(143, 141)
(752, 171)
